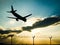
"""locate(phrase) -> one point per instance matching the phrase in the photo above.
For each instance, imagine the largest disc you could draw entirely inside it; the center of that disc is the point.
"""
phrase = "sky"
(38, 8)
(44, 21)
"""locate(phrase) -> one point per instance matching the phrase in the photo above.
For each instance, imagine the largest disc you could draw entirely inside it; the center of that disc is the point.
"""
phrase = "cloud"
(35, 23)
(43, 23)
(2, 28)
(9, 31)
(4, 34)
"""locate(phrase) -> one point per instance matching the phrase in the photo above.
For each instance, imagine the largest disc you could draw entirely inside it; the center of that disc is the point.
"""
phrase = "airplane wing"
(12, 17)
(28, 15)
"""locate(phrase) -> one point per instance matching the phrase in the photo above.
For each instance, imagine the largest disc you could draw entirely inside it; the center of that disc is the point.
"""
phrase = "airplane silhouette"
(17, 16)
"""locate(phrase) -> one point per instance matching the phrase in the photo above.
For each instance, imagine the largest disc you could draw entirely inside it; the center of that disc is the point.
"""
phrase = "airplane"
(17, 16)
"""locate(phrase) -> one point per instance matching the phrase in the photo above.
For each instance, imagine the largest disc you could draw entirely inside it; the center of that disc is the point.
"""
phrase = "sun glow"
(2, 28)
(12, 22)
(34, 31)
(31, 21)
(43, 32)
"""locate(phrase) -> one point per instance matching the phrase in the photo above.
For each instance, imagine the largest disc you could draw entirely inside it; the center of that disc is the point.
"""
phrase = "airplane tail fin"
(27, 15)
(12, 10)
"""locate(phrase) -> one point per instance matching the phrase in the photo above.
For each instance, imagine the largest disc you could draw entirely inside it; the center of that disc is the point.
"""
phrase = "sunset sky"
(40, 10)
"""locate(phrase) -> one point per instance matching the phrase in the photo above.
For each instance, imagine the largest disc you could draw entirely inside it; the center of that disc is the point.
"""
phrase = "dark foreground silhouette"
(17, 16)
(27, 44)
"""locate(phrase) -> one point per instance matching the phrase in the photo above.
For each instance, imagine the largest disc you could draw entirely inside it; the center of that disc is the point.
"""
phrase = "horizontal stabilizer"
(9, 11)
(12, 17)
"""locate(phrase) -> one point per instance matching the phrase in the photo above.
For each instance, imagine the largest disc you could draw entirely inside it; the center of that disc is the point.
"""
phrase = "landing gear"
(17, 19)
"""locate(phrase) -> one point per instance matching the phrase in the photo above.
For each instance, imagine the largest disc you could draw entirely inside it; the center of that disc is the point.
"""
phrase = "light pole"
(11, 37)
(50, 39)
(33, 39)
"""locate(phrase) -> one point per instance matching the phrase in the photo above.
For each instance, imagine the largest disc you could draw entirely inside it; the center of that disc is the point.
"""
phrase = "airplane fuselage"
(18, 16)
